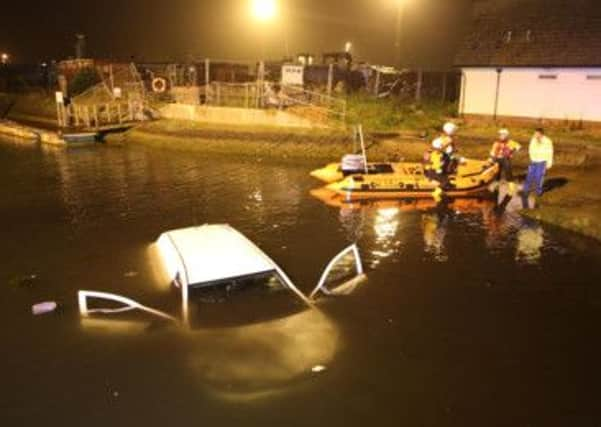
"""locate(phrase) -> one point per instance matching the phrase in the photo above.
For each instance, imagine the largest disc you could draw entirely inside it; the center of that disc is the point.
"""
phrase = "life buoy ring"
(159, 85)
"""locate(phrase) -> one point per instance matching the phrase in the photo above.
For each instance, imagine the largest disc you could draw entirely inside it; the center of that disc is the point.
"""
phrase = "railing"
(243, 95)
(95, 116)
(312, 105)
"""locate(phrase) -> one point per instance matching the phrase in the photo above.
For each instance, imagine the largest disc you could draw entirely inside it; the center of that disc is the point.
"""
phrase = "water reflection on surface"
(466, 310)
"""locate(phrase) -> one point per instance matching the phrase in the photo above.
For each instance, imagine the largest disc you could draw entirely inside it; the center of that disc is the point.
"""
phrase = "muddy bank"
(304, 146)
(575, 202)
(36, 108)
(325, 145)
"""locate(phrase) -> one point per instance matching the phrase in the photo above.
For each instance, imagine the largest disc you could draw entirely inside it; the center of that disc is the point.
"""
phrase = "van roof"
(212, 253)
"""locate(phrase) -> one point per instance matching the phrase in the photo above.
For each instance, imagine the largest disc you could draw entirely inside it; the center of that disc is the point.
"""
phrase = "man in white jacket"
(541, 159)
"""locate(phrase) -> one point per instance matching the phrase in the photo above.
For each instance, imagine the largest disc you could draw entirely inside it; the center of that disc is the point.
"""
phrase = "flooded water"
(468, 317)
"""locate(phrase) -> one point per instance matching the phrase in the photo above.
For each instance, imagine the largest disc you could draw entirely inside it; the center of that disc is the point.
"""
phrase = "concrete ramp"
(236, 116)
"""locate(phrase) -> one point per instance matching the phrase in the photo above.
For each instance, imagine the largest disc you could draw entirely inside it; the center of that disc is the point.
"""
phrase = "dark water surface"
(468, 318)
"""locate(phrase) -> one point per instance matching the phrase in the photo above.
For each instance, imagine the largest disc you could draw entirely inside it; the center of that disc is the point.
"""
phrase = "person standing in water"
(541, 160)
(446, 143)
(502, 152)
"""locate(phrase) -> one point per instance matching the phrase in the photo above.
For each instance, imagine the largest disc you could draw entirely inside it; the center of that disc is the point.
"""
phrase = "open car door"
(342, 275)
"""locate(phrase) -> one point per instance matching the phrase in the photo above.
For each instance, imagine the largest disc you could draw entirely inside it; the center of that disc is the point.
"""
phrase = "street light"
(4, 58)
(264, 10)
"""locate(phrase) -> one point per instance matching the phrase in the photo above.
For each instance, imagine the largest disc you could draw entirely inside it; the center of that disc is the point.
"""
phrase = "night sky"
(173, 30)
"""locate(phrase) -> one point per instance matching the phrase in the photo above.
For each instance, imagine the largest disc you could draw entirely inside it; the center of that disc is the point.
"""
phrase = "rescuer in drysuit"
(440, 160)
(502, 152)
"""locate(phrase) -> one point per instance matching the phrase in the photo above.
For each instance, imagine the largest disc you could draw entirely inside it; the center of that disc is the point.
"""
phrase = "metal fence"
(268, 95)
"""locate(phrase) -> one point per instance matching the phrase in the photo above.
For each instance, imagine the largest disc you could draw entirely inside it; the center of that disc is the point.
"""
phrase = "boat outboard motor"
(353, 164)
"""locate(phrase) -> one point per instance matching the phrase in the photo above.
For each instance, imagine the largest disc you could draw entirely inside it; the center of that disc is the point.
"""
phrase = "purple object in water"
(44, 308)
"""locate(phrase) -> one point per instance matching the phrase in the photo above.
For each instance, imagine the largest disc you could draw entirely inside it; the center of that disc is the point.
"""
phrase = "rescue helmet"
(437, 144)
(449, 128)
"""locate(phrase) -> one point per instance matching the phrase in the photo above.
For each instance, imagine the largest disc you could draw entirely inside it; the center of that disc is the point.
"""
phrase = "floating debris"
(44, 308)
(318, 368)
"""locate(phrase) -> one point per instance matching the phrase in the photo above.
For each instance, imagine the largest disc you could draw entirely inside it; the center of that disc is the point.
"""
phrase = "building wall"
(539, 93)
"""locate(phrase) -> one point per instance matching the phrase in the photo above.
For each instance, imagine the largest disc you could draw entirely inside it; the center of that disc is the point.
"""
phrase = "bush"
(393, 114)
(83, 80)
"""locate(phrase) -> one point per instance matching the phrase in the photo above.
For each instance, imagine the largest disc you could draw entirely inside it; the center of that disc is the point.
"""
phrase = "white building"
(528, 59)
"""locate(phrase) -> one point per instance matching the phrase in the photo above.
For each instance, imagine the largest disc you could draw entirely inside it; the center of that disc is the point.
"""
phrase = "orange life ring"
(159, 85)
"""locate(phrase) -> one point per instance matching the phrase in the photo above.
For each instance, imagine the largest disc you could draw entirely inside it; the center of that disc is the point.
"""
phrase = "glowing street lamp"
(4, 58)
(348, 47)
(264, 10)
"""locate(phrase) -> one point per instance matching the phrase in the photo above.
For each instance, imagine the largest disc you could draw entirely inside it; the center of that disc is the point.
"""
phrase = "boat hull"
(408, 180)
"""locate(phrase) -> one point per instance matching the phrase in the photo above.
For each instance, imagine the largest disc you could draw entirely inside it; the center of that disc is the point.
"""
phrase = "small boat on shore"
(80, 137)
(405, 180)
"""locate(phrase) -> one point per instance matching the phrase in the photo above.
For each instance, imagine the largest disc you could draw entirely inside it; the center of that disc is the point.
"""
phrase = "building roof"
(533, 33)
(212, 253)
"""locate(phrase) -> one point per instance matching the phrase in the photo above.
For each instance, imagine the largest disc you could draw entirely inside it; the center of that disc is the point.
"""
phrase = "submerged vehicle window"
(242, 301)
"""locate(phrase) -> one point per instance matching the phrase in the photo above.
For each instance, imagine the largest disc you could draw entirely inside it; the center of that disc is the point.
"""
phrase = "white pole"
(363, 148)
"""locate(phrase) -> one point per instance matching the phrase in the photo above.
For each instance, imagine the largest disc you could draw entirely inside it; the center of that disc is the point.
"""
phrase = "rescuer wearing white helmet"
(445, 143)
(438, 160)
(502, 152)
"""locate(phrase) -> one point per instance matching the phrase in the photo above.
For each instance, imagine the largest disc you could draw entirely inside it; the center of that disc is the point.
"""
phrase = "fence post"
(95, 110)
(444, 87)
(418, 87)
(330, 79)
(108, 113)
(207, 80)
(119, 113)
(59, 116)
(87, 117)
(377, 86)
(260, 83)
(76, 111)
